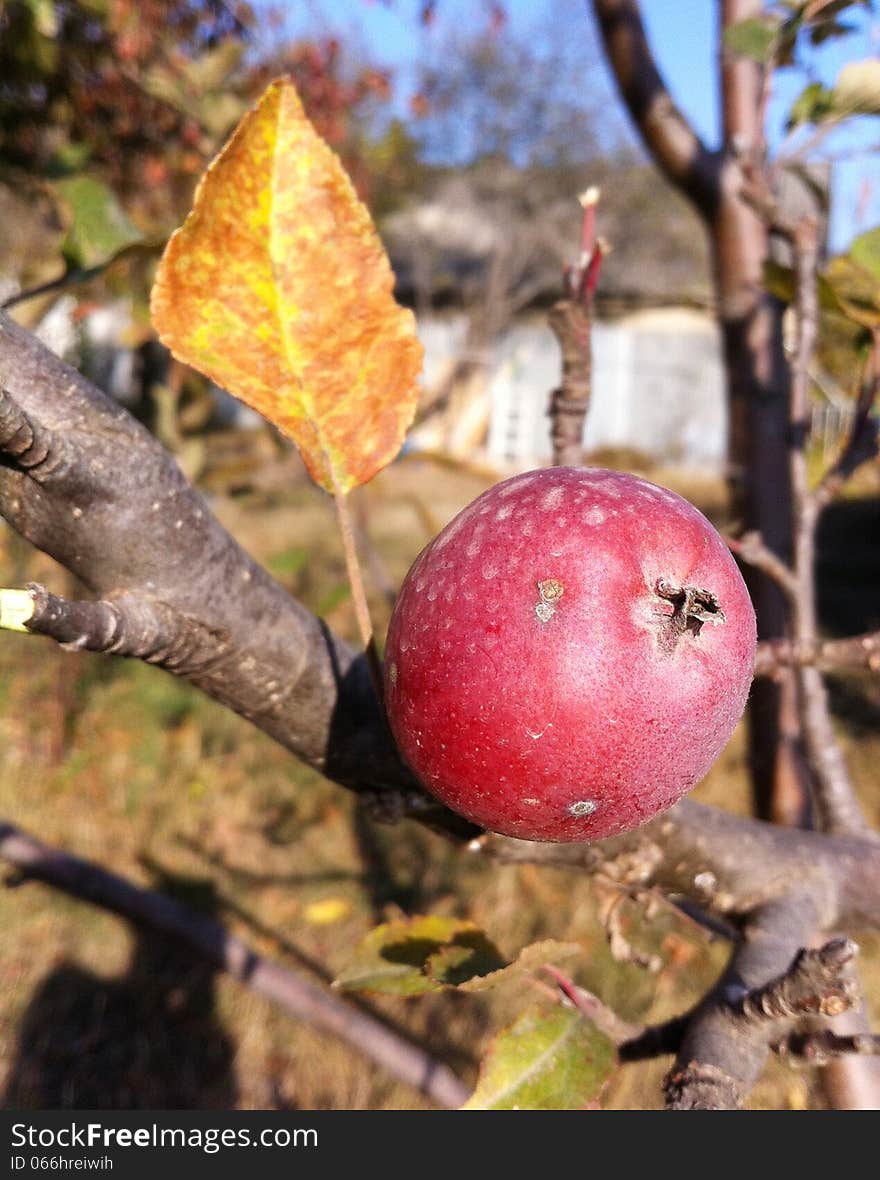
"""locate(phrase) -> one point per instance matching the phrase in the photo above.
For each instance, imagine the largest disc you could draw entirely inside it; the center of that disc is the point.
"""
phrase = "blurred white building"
(658, 388)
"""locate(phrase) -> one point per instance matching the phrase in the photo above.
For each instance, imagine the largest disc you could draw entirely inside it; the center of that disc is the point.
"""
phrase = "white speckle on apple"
(552, 499)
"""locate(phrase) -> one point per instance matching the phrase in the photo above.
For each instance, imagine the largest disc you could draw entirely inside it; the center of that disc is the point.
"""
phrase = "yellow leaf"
(278, 288)
(327, 911)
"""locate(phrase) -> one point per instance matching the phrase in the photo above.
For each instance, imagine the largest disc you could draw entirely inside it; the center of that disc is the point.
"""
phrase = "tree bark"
(751, 327)
(758, 400)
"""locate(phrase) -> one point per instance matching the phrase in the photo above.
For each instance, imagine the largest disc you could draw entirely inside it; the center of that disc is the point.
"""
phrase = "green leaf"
(69, 158)
(827, 30)
(219, 112)
(865, 250)
(779, 280)
(529, 960)
(857, 89)
(100, 229)
(418, 955)
(289, 562)
(211, 70)
(844, 291)
(844, 287)
(856, 290)
(755, 38)
(814, 103)
(555, 1060)
(45, 17)
(332, 598)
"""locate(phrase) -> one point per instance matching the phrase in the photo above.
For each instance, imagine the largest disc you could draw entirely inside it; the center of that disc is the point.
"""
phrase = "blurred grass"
(120, 763)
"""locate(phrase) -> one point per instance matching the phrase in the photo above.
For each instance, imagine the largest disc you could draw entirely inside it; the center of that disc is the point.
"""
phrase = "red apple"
(569, 655)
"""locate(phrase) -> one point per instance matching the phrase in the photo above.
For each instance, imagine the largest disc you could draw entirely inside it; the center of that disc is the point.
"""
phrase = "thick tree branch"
(728, 864)
(215, 945)
(84, 482)
(667, 135)
(758, 403)
(727, 1041)
(760, 875)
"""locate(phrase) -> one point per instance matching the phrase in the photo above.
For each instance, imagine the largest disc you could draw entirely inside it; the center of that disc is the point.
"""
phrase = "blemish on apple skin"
(530, 802)
(392, 673)
(583, 807)
(550, 590)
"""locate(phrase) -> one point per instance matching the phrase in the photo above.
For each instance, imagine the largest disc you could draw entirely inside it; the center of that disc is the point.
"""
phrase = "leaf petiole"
(358, 592)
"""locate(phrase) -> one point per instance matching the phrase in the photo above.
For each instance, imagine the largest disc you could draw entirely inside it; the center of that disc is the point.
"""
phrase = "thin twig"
(823, 1046)
(837, 807)
(635, 1042)
(67, 279)
(571, 320)
(592, 1007)
(750, 548)
(828, 655)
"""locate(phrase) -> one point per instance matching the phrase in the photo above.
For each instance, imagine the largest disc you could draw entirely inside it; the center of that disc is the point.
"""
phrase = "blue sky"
(682, 33)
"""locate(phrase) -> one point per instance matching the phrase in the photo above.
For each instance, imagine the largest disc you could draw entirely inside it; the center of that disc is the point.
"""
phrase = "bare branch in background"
(572, 322)
(666, 132)
(214, 944)
(828, 655)
(822, 1047)
(751, 549)
(837, 807)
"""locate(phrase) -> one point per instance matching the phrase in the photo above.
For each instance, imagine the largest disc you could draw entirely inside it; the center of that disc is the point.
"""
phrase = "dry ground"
(117, 762)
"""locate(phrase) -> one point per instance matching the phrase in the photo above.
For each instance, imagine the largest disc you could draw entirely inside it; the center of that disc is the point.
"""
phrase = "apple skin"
(569, 656)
